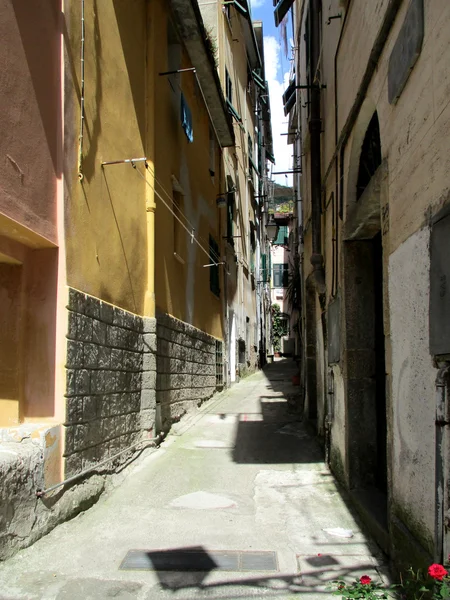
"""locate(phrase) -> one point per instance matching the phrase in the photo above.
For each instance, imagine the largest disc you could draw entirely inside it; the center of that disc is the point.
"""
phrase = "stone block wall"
(111, 376)
(186, 368)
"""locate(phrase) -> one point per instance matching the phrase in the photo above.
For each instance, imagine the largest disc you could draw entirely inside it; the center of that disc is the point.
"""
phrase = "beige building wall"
(413, 187)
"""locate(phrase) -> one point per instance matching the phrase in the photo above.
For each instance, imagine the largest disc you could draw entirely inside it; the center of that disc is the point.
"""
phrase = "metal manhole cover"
(198, 560)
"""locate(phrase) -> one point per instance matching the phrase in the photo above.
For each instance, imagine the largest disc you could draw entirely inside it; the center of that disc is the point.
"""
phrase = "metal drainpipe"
(315, 127)
(80, 138)
(442, 421)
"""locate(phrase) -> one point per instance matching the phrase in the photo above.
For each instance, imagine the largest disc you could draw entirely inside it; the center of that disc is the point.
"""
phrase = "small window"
(214, 283)
(280, 275)
(179, 236)
(228, 87)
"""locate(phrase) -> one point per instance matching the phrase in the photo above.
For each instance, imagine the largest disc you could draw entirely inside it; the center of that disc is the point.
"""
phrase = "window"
(280, 275)
(178, 230)
(214, 256)
(228, 87)
(282, 237)
(264, 273)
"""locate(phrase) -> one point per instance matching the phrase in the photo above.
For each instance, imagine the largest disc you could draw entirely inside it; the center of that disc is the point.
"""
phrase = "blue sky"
(277, 74)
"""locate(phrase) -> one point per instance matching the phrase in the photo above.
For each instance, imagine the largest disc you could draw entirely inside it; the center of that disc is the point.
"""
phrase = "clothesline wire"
(182, 214)
(190, 232)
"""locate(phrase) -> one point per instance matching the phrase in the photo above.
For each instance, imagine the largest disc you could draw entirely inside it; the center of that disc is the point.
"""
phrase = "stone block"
(104, 357)
(150, 343)
(72, 325)
(74, 410)
(131, 339)
(118, 317)
(133, 422)
(116, 358)
(99, 332)
(69, 437)
(122, 381)
(75, 355)
(110, 382)
(72, 464)
(148, 399)
(98, 382)
(77, 301)
(115, 404)
(103, 406)
(130, 321)
(132, 361)
(135, 401)
(147, 419)
(84, 328)
(148, 381)
(92, 307)
(148, 325)
(136, 381)
(90, 457)
(106, 312)
(90, 356)
(149, 362)
(82, 382)
(90, 406)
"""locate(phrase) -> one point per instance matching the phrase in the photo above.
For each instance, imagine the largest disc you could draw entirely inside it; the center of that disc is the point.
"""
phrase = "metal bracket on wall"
(338, 16)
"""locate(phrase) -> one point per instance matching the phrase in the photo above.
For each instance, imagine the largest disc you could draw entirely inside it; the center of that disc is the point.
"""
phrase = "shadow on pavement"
(276, 434)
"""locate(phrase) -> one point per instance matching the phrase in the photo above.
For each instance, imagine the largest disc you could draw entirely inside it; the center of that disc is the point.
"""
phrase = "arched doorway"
(365, 363)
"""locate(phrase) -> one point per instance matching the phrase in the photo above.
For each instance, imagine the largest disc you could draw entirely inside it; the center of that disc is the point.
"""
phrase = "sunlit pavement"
(238, 490)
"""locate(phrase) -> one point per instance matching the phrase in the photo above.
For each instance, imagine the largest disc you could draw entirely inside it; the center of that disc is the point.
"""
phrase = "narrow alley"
(236, 503)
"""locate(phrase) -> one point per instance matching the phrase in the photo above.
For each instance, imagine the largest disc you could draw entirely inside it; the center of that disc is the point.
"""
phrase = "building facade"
(369, 116)
(119, 270)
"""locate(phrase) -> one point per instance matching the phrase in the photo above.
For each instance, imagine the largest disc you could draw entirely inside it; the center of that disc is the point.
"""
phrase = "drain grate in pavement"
(198, 559)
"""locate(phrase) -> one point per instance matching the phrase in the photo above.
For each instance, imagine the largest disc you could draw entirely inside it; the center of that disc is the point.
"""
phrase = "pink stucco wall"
(30, 115)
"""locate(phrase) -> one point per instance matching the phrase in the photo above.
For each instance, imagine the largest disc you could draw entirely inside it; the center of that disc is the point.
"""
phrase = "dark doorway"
(366, 371)
(380, 475)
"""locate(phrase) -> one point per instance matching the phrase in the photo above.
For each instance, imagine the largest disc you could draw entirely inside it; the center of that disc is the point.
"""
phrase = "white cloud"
(257, 3)
(277, 85)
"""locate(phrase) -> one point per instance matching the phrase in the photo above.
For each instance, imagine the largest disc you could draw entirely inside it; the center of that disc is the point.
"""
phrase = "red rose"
(437, 572)
(365, 580)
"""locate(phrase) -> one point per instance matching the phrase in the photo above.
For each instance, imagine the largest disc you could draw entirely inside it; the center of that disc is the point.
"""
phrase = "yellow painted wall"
(182, 288)
(105, 217)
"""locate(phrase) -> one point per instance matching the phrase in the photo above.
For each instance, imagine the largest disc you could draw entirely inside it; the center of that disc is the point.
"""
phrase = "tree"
(278, 327)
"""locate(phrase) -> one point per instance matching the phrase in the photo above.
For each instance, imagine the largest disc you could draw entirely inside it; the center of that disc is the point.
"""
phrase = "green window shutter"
(282, 237)
(264, 277)
(230, 216)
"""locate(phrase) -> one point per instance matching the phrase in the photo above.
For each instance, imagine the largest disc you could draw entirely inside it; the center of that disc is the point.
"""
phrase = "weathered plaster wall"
(413, 388)
(30, 120)
(105, 217)
(181, 282)
(107, 409)
(186, 368)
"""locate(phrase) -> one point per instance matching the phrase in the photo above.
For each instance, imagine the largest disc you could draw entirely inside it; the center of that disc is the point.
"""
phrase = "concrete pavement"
(238, 490)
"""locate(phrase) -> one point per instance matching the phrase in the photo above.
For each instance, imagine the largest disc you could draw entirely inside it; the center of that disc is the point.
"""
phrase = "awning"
(281, 10)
